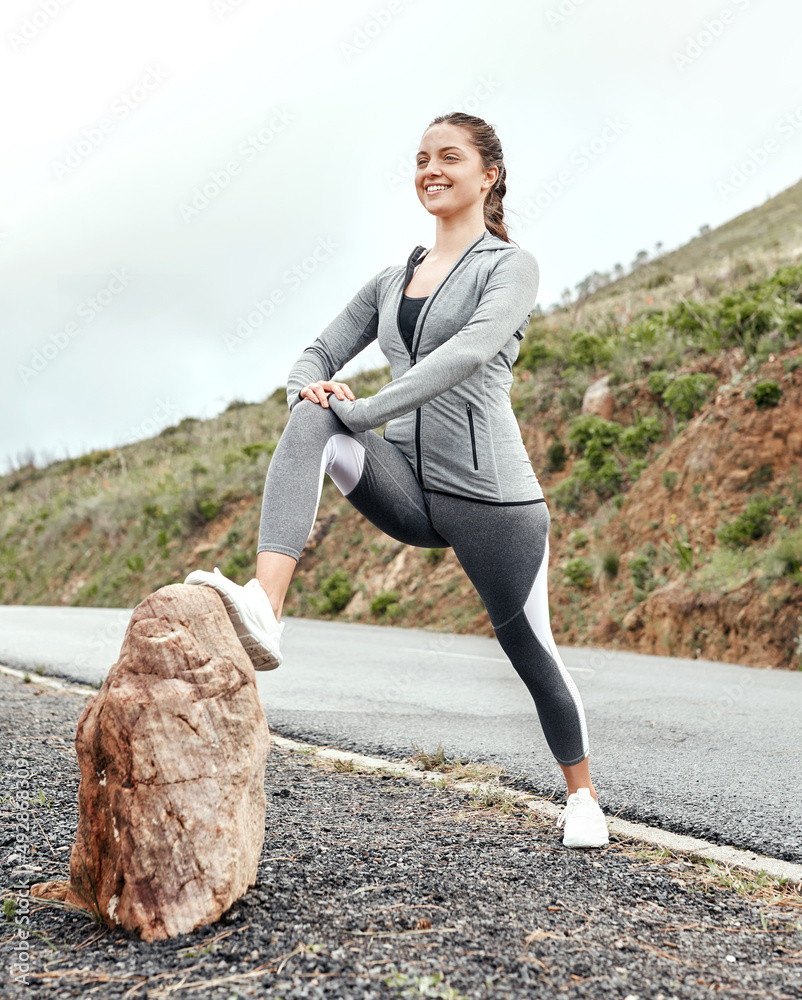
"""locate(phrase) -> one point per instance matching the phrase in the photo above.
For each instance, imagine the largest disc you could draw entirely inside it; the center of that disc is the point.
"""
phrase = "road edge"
(623, 830)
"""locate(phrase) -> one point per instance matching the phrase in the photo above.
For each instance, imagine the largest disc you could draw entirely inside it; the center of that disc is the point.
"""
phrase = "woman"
(451, 468)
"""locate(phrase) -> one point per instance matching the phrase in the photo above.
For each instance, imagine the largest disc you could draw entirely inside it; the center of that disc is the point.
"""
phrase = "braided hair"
(484, 139)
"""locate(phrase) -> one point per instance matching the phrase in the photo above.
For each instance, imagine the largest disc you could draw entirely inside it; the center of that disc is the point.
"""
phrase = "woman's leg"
(504, 552)
(373, 474)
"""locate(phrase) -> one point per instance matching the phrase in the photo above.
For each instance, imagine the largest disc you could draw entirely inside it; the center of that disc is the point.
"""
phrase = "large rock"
(172, 752)
(598, 399)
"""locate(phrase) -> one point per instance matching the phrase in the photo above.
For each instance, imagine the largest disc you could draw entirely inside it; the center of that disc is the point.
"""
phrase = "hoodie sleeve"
(506, 305)
(347, 334)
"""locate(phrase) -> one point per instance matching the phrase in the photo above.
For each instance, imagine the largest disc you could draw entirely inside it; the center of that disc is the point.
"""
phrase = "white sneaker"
(585, 825)
(251, 613)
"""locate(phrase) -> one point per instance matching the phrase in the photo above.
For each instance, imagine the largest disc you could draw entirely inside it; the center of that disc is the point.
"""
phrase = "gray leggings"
(504, 549)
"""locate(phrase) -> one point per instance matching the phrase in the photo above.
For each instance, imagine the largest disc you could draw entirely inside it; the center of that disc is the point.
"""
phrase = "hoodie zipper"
(473, 437)
(416, 344)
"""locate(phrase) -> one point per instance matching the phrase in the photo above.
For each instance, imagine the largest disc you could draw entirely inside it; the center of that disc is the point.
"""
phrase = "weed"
(430, 985)
(578, 538)
(669, 479)
(766, 394)
(429, 762)
(488, 797)
(754, 522)
(578, 573)
(610, 562)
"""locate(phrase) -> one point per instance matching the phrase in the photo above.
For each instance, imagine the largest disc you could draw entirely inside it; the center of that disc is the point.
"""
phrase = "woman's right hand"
(318, 391)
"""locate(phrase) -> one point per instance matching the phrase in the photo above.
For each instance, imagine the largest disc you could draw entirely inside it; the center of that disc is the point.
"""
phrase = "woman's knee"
(318, 418)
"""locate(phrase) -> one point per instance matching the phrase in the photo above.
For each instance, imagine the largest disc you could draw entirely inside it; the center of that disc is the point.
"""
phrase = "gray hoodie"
(448, 405)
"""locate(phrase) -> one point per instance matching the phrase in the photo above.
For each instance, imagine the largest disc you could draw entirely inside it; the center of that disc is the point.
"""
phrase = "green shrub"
(640, 569)
(433, 556)
(659, 279)
(691, 320)
(336, 590)
(585, 483)
(754, 522)
(209, 509)
(383, 603)
(788, 554)
(687, 393)
(646, 329)
(578, 538)
(589, 350)
(634, 469)
(610, 562)
(257, 448)
(556, 455)
(578, 573)
(135, 563)
(640, 436)
(658, 382)
(766, 394)
(533, 354)
(236, 563)
(593, 437)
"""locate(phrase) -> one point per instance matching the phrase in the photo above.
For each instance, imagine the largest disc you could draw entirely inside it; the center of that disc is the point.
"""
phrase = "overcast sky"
(165, 166)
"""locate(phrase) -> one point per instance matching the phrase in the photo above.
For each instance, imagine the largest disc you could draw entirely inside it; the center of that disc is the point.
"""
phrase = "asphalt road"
(709, 749)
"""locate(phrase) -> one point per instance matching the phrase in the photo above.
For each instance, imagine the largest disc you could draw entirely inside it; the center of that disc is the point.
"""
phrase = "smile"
(436, 188)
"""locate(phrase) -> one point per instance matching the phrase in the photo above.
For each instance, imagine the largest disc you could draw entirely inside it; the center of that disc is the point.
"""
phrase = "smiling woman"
(451, 468)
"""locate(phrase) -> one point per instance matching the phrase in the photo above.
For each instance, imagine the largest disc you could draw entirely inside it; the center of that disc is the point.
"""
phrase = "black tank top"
(410, 310)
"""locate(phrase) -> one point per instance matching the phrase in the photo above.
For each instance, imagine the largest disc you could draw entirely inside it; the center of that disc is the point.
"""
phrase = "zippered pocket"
(473, 435)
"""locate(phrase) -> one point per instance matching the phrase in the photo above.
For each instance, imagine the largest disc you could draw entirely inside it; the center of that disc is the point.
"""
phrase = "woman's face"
(450, 178)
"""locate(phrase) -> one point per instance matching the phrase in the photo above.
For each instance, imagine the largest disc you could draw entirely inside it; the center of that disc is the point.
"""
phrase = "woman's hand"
(317, 391)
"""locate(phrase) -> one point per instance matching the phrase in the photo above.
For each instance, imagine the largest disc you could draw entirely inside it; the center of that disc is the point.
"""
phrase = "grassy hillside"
(675, 493)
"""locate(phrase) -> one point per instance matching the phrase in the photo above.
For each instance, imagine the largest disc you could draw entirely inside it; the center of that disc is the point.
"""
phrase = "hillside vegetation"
(673, 484)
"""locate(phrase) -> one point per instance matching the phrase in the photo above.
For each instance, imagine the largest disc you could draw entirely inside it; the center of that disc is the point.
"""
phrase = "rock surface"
(172, 752)
(598, 399)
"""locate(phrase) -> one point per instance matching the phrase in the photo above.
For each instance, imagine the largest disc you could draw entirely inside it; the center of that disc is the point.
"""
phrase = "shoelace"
(575, 806)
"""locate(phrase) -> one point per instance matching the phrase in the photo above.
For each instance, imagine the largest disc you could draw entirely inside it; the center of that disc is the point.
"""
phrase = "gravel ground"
(374, 886)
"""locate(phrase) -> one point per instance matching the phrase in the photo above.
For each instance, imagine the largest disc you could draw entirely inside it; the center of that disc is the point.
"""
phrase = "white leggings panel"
(536, 610)
(344, 459)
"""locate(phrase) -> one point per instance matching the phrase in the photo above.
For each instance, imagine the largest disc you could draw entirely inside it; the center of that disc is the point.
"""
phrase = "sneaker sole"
(602, 840)
(599, 843)
(262, 657)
